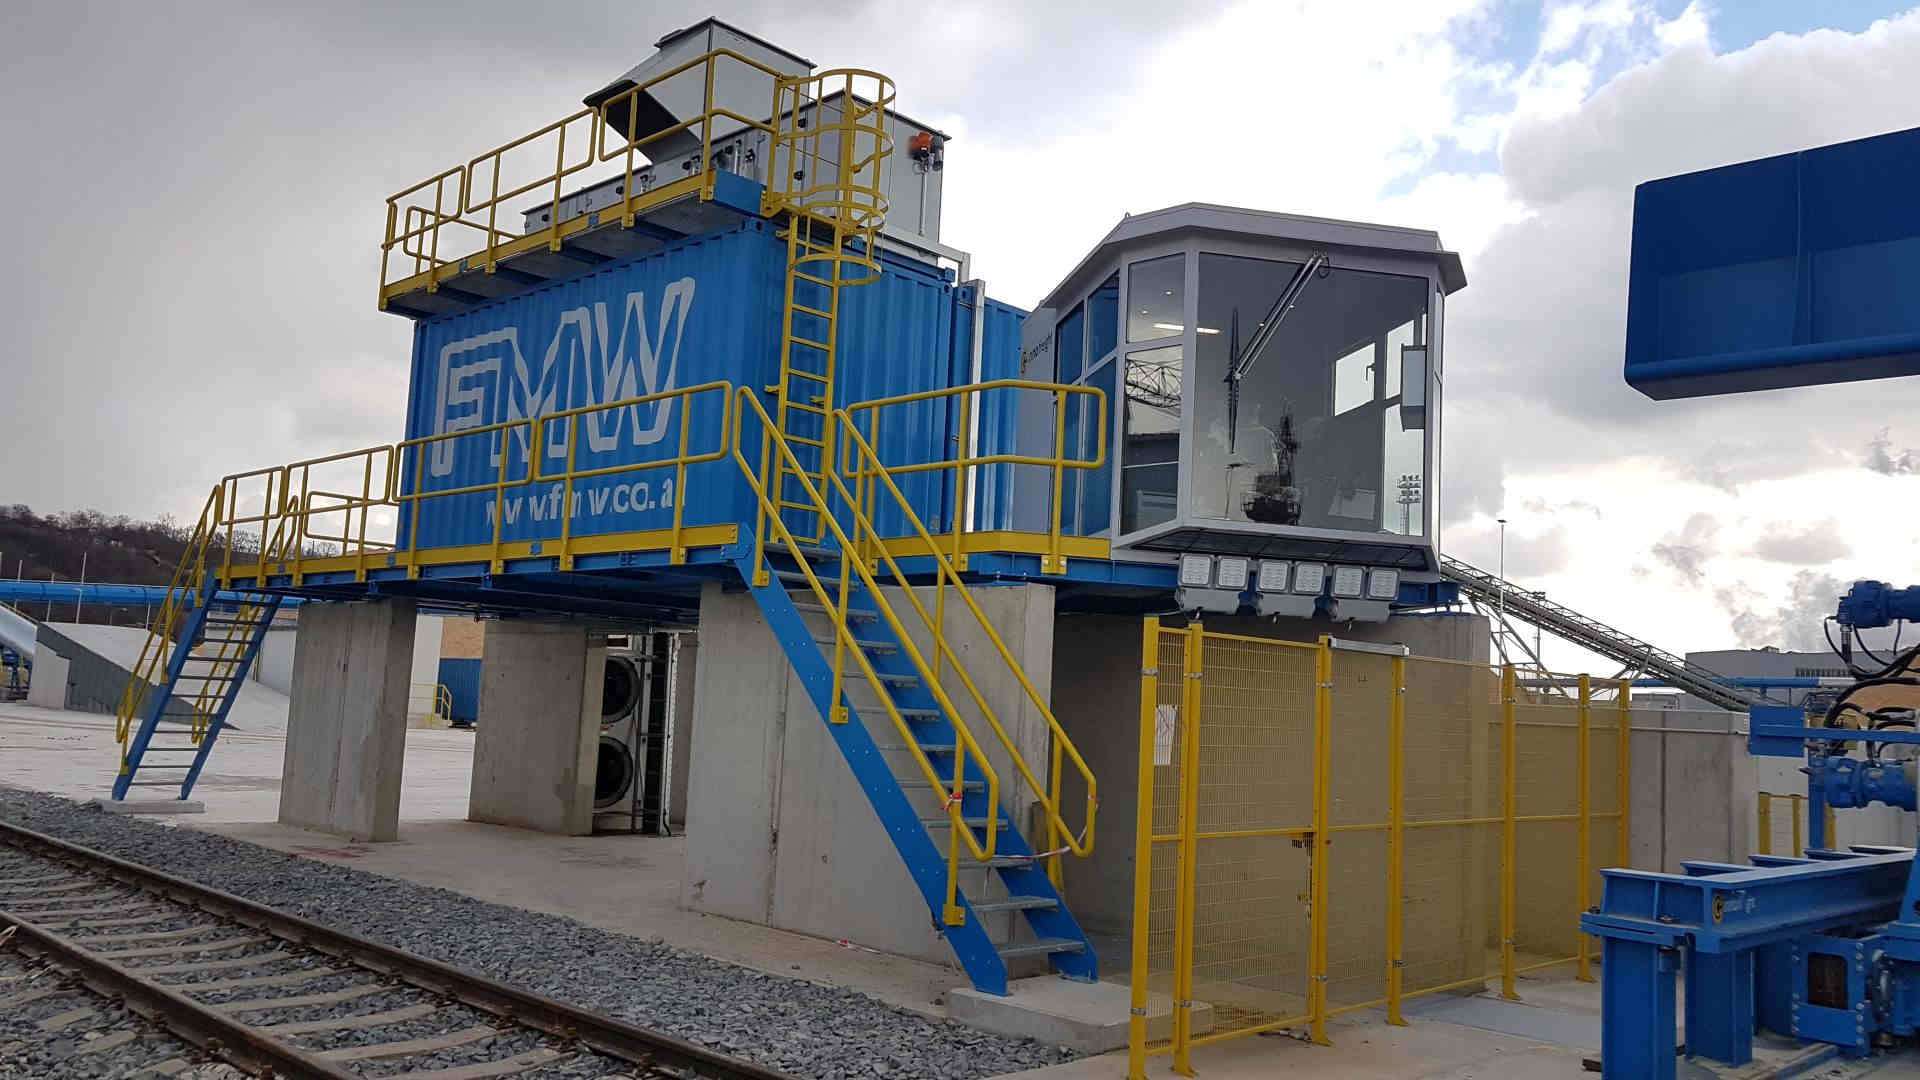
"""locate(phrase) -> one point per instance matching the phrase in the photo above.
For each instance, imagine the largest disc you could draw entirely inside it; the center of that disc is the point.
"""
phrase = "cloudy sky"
(197, 191)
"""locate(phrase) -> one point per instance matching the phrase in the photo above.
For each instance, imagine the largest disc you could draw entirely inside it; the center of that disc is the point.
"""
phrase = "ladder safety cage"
(831, 149)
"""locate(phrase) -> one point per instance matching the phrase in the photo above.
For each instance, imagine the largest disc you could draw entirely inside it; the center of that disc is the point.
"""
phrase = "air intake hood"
(737, 87)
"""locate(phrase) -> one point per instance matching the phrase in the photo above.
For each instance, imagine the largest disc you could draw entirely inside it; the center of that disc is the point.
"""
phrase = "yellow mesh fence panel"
(1451, 880)
(1255, 802)
(1547, 837)
(1251, 921)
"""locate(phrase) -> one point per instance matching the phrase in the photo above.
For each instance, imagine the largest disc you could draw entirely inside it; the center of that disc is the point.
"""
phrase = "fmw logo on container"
(487, 379)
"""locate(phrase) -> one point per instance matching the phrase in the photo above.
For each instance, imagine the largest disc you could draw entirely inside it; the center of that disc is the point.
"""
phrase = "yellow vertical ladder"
(831, 146)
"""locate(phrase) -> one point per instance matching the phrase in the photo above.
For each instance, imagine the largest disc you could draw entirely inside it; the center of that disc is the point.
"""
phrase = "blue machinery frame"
(1824, 947)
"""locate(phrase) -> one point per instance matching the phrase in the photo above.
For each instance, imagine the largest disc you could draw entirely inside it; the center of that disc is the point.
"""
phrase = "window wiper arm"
(1242, 359)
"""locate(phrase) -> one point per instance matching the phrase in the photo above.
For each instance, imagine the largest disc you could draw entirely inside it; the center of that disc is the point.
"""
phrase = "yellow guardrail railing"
(846, 643)
(183, 594)
(333, 500)
(1763, 813)
(870, 476)
(868, 553)
(1054, 561)
(450, 222)
(436, 696)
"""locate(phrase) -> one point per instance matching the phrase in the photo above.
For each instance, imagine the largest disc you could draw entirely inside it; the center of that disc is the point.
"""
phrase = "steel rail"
(615, 1038)
(247, 1048)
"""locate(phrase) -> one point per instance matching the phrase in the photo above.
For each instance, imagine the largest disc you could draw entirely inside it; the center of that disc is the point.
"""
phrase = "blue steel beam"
(1719, 915)
(1751, 906)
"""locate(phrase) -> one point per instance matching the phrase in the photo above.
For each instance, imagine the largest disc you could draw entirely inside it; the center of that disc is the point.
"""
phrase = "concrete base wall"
(538, 736)
(777, 830)
(47, 686)
(347, 718)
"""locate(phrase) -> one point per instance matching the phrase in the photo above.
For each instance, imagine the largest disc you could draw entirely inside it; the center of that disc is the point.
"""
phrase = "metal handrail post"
(1396, 837)
(1583, 893)
(1509, 845)
(1143, 848)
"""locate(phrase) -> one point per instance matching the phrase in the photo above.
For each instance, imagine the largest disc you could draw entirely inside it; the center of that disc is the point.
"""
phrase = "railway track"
(215, 976)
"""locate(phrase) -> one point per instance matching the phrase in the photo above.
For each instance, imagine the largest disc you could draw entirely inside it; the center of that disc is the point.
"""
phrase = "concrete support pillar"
(347, 718)
(778, 831)
(538, 737)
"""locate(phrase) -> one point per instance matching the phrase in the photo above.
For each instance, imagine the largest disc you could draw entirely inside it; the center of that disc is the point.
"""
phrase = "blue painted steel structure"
(1795, 270)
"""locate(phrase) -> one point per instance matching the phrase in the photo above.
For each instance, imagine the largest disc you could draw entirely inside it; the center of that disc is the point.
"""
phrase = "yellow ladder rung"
(796, 339)
(806, 440)
(797, 373)
(809, 277)
(815, 312)
(819, 410)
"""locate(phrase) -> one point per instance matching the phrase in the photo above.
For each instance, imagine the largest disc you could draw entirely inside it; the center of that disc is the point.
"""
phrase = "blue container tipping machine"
(1797, 270)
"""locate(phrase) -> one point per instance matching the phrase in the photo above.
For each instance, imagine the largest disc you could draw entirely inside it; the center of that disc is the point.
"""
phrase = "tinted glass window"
(1150, 452)
(1157, 298)
(1303, 426)
(1069, 345)
(1103, 319)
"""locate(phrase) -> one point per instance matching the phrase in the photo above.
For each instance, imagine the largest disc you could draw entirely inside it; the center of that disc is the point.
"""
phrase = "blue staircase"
(181, 714)
(1011, 909)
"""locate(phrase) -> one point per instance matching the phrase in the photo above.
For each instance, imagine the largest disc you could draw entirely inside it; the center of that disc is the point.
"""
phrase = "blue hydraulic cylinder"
(1849, 782)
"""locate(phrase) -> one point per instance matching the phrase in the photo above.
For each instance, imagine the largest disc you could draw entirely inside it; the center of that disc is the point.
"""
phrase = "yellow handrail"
(962, 465)
(947, 574)
(293, 497)
(452, 217)
(843, 633)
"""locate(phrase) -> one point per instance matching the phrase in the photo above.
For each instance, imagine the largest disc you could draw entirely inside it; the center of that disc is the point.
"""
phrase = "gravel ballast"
(790, 1024)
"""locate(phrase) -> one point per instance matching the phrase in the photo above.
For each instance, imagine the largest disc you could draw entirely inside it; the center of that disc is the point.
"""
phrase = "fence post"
(1508, 832)
(1396, 835)
(1763, 809)
(1622, 839)
(1189, 825)
(1317, 867)
(1583, 970)
(1143, 848)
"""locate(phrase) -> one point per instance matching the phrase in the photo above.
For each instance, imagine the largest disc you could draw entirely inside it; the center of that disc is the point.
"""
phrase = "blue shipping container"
(461, 677)
(704, 310)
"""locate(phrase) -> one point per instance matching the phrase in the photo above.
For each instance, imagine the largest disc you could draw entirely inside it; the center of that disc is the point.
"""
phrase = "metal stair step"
(853, 614)
(971, 823)
(882, 647)
(1041, 947)
(1014, 903)
(965, 785)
